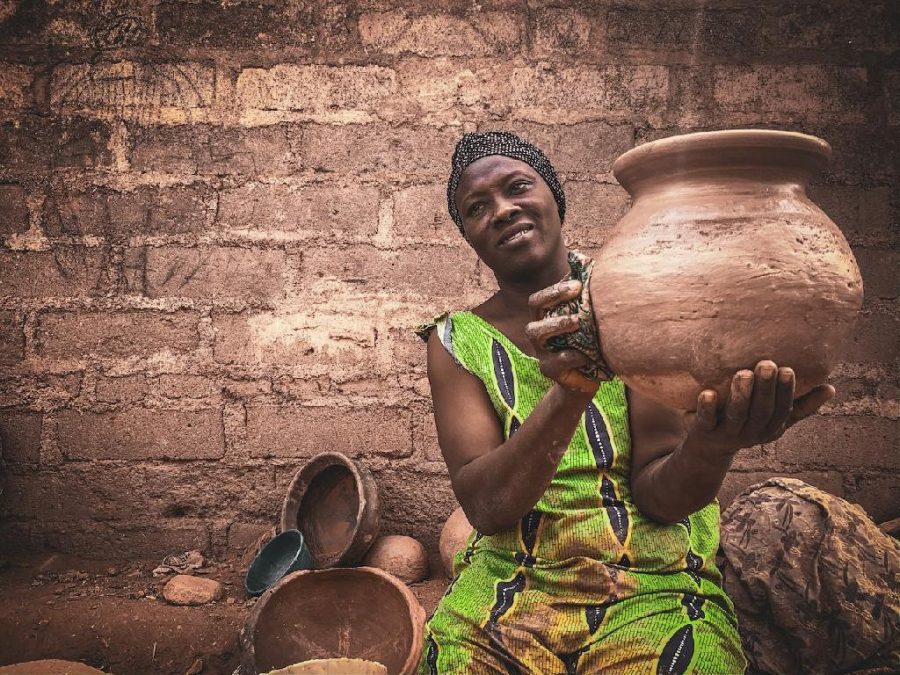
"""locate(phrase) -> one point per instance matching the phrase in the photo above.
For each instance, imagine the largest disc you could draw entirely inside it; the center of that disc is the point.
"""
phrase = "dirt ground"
(113, 616)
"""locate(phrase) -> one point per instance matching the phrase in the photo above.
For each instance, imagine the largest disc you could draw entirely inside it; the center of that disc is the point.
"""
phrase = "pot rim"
(713, 149)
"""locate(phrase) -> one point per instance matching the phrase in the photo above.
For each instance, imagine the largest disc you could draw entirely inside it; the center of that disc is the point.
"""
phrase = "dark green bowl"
(286, 553)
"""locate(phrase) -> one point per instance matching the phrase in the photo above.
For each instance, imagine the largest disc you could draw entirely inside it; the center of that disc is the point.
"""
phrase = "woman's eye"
(520, 185)
(475, 209)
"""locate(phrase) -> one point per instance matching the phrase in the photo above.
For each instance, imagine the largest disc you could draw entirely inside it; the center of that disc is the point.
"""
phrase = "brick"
(415, 503)
(587, 148)
(187, 386)
(173, 92)
(141, 433)
(145, 210)
(117, 491)
(378, 151)
(81, 144)
(879, 271)
(832, 26)
(201, 149)
(187, 208)
(40, 390)
(841, 441)
(235, 25)
(567, 32)
(279, 431)
(863, 153)
(763, 93)
(124, 389)
(892, 95)
(24, 147)
(425, 439)
(432, 271)
(314, 340)
(863, 215)
(15, 87)
(420, 213)
(125, 335)
(313, 92)
(13, 210)
(407, 350)
(592, 210)
(64, 272)
(20, 436)
(736, 482)
(213, 272)
(445, 91)
(331, 209)
(879, 496)
(12, 339)
(132, 539)
(729, 32)
(481, 34)
(874, 339)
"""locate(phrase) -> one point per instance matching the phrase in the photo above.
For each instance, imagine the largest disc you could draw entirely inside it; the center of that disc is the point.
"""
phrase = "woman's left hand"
(760, 407)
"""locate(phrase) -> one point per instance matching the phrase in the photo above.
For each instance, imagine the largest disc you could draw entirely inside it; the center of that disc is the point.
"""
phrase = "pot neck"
(744, 160)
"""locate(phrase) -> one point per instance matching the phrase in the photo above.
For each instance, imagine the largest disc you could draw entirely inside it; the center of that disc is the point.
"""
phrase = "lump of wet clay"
(183, 589)
(332, 667)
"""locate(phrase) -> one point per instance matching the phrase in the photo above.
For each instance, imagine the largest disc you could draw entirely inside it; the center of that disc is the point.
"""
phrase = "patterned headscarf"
(475, 146)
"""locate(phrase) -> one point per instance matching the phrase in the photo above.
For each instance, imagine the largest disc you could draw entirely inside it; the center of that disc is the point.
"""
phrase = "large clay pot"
(722, 261)
(361, 612)
(333, 501)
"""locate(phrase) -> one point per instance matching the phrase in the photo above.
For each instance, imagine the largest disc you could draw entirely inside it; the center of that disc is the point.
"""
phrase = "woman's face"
(509, 215)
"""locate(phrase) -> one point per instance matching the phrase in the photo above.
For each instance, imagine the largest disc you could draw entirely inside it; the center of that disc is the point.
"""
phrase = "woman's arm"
(495, 481)
(677, 464)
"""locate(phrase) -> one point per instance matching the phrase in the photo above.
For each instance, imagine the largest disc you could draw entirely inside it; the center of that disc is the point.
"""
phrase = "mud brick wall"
(219, 222)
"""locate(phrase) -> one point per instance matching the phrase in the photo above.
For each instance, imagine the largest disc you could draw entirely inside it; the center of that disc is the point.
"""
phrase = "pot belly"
(683, 306)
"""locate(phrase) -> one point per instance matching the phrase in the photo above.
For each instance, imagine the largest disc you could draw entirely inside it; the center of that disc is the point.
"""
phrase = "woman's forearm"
(680, 483)
(498, 488)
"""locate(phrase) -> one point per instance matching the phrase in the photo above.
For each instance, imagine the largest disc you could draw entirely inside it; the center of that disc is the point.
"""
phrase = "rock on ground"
(187, 590)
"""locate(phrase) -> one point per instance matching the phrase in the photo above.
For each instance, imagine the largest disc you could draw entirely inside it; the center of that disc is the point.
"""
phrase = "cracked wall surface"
(220, 221)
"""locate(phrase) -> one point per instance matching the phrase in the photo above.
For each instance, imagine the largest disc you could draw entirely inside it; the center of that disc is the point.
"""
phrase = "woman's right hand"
(561, 366)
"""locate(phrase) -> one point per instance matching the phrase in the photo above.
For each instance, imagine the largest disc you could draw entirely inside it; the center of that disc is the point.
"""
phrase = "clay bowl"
(333, 501)
(359, 613)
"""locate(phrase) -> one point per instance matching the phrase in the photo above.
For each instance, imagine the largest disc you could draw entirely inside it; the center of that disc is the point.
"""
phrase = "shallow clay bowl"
(333, 501)
(358, 613)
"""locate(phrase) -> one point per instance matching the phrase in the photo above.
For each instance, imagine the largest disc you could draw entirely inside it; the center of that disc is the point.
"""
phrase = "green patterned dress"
(585, 583)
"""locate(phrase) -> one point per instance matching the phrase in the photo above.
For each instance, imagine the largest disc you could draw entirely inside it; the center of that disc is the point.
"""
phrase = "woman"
(594, 510)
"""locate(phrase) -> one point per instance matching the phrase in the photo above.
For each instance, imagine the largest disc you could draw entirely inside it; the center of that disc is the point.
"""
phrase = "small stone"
(187, 590)
(196, 668)
(230, 601)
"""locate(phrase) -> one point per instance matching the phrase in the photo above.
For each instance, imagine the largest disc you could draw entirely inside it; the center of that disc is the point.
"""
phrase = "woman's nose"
(504, 209)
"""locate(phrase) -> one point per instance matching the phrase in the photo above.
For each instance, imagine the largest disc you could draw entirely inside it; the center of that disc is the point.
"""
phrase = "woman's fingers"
(735, 416)
(706, 417)
(554, 295)
(785, 382)
(762, 403)
(540, 331)
(810, 403)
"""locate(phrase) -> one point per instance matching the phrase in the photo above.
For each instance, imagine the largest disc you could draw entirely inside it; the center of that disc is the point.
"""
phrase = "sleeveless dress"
(585, 583)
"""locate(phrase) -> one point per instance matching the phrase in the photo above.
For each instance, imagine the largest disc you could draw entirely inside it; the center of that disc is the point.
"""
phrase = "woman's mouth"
(516, 234)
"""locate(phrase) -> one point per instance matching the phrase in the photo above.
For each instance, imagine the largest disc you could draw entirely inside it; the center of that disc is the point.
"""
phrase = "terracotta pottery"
(49, 667)
(454, 535)
(332, 667)
(333, 501)
(359, 613)
(402, 556)
(722, 261)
